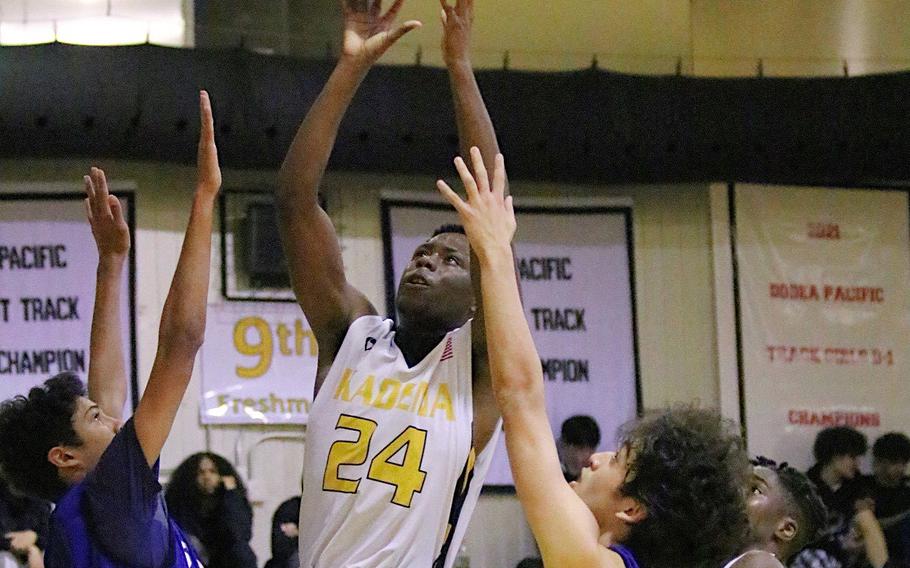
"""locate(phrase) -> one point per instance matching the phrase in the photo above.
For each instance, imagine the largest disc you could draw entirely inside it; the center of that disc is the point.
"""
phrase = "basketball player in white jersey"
(403, 422)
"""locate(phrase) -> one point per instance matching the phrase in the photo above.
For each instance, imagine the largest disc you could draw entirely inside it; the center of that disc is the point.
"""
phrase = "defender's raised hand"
(208, 173)
(487, 214)
(107, 384)
(105, 215)
(368, 33)
(457, 21)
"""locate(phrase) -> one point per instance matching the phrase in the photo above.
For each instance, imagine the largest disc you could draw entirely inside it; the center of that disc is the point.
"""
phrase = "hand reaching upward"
(368, 33)
(487, 214)
(457, 21)
(105, 215)
(208, 173)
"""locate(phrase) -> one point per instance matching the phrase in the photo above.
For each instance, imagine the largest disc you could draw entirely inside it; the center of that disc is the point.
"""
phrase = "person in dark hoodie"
(23, 526)
(208, 500)
(852, 535)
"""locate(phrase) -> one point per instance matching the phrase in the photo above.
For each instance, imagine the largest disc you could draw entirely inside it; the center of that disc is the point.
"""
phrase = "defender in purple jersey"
(68, 445)
(672, 496)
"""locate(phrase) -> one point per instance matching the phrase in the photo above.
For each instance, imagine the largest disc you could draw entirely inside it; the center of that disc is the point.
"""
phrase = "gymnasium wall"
(712, 37)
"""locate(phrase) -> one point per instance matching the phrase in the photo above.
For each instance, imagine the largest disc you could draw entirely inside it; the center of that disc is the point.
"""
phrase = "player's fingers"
(480, 170)
(449, 194)
(499, 176)
(470, 185)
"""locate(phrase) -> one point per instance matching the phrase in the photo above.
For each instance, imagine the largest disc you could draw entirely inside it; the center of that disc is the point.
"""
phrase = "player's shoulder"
(756, 559)
(372, 325)
(601, 557)
(465, 328)
(611, 558)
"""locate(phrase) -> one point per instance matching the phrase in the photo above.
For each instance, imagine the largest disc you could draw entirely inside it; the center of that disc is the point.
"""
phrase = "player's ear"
(632, 512)
(786, 529)
(62, 458)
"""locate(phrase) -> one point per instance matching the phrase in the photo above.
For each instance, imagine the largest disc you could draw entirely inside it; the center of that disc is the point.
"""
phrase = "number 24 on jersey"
(404, 473)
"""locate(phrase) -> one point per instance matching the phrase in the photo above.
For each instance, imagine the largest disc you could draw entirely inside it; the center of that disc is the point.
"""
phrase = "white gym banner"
(823, 277)
(575, 266)
(48, 261)
(258, 364)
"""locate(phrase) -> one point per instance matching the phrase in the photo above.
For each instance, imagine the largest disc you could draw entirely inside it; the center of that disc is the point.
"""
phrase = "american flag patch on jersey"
(447, 352)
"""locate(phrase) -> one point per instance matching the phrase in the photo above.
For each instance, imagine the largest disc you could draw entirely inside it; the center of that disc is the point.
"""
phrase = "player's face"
(576, 458)
(765, 503)
(889, 473)
(599, 487)
(207, 477)
(95, 429)
(436, 284)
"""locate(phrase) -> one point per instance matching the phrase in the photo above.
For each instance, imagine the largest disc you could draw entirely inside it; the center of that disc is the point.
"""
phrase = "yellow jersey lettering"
(413, 397)
(422, 397)
(388, 394)
(405, 400)
(443, 402)
(343, 390)
(365, 390)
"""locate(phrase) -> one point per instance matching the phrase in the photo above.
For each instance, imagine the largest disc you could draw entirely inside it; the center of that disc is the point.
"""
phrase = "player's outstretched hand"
(457, 21)
(105, 215)
(368, 33)
(487, 213)
(208, 173)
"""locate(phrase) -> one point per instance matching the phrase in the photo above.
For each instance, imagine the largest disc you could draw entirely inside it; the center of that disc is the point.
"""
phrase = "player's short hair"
(892, 447)
(448, 228)
(838, 441)
(803, 503)
(688, 468)
(581, 431)
(30, 426)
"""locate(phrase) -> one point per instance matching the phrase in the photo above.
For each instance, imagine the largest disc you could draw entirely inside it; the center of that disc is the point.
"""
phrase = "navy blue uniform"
(116, 516)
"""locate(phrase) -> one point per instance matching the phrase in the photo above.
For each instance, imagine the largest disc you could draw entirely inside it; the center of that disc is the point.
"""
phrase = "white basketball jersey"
(390, 475)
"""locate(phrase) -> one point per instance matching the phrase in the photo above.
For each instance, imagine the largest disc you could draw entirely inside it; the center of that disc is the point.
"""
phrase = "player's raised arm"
(563, 525)
(182, 328)
(107, 382)
(475, 129)
(308, 237)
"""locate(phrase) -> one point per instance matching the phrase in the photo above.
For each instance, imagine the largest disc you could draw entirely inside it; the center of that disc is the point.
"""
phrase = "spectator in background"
(890, 489)
(23, 524)
(285, 535)
(208, 501)
(578, 440)
(853, 536)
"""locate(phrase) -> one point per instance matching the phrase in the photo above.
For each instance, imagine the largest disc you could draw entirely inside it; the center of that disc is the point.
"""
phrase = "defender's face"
(599, 486)
(765, 503)
(96, 430)
(576, 458)
(436, 284)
